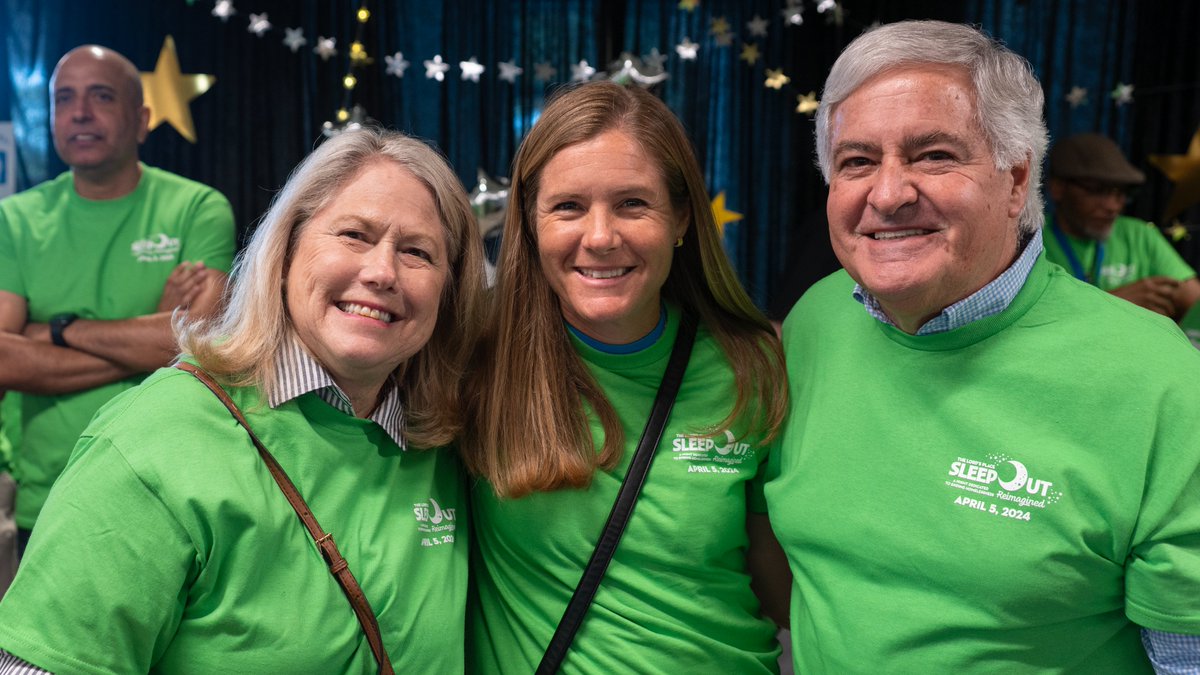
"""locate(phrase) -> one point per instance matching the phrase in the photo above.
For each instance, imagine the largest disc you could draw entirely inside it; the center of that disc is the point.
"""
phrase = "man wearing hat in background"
(1087, 235)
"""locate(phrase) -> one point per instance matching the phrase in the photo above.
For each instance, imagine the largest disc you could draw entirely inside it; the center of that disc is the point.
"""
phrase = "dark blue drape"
(265, 112)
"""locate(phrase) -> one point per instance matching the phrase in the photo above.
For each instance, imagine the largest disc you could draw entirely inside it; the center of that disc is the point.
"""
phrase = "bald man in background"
(93, 264)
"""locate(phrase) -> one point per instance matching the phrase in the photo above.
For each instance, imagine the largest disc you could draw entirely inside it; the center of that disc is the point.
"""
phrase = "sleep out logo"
(722, 453)
(1003, 477)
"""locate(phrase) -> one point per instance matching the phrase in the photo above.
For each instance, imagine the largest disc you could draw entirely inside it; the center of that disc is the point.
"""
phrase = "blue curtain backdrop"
(268, 105)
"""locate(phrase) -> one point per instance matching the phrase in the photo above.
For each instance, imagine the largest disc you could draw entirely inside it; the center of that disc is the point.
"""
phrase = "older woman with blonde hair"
(611, 263)
(172, 542)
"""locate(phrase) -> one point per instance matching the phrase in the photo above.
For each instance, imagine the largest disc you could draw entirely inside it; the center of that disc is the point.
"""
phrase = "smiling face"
(366, 276)
(606, 232)
(98, 116)
(918, 213)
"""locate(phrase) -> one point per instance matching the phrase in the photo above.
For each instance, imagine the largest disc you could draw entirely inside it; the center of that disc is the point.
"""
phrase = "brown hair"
(240, 345)
(528, 388)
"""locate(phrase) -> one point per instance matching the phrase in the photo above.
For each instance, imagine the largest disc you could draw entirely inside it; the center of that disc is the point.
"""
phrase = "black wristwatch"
(59, 323)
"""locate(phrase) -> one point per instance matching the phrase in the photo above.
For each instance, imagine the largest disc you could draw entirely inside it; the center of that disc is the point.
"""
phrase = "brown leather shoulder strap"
(324, 540)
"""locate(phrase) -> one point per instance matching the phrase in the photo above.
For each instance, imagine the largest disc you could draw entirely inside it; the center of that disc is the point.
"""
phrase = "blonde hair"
(529, 390)
(240, 345)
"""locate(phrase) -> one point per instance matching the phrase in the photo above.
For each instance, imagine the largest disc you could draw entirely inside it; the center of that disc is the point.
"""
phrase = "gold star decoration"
(776, 79)
(750, 53)
(718, 26)
(688, 5)
(807, 103)
(168, 91)
(723, 215)
(1184, 171)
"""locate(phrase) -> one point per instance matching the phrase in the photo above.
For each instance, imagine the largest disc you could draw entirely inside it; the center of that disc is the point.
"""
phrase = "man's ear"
(143, 124)
(1020, 189)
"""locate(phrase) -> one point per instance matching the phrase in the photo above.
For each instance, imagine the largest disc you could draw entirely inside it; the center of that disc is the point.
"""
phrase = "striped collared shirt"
(991, 299)
(297, 373)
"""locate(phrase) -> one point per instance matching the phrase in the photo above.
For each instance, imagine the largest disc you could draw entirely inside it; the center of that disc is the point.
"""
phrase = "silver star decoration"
(825, 6)
(1123, 93)
(509, 70)
(326, 47)
(258, 24)
(628, 72)
(436, 69)
(687, 49)
(471, 69)
(544, 72)
(396, 64)
(582, 72)
(1077, 97)
(654, 61)
(757, 26)
(793, 14)
(295, 39)
(223, 9)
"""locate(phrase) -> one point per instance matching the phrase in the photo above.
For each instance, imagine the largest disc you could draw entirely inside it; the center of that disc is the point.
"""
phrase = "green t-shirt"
(676, 597)
(1190, 323)
(166, 545)
(1135, 250)
(1016, 495)
(103, 260)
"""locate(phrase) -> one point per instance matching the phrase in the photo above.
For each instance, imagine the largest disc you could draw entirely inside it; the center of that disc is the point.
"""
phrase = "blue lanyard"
(1076, 266)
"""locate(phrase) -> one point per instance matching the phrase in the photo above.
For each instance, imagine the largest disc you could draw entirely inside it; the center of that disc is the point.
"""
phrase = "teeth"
(604, 274)
(899, 234)
(355, 308)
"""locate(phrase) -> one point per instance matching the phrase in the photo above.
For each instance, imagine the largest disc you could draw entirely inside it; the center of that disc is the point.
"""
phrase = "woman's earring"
(679, 242)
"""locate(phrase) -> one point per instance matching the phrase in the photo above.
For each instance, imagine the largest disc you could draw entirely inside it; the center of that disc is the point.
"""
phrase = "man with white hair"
(970, 481)
(92, 265)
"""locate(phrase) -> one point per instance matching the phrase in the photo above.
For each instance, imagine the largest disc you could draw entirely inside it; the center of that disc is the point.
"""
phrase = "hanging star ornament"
(1077, 96)
(259, 24)
(1122, 93)
(396, 65)
(687, 49)
(509, 71)
(436, 68)
(471, 69)
(750, 53)
(582, 72)
(295, 39)
(223, 9)
(326, 47)
(722, 215)
(807, 104)
(776, 79)
(1184, 171)
(793, 14)
(655, 61)
(757, 27)
(544, 72)
(167, 92)
(688, 5)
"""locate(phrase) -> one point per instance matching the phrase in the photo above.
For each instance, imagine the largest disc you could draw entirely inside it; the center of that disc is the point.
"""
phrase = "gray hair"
(1008, 97)
(241, 344)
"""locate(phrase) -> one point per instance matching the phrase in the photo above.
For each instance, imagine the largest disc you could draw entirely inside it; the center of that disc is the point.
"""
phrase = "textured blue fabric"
(1172, 653)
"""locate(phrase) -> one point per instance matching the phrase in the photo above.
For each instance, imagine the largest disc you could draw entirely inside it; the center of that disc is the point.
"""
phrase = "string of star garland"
(646, 70)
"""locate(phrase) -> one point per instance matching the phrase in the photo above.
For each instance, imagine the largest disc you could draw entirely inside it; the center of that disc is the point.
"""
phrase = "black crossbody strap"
(338, 566)
(627, 496)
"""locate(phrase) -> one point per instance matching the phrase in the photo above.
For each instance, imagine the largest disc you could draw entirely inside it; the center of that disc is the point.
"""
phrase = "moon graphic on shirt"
(730, 444)
(1018, 480)
(438, 514)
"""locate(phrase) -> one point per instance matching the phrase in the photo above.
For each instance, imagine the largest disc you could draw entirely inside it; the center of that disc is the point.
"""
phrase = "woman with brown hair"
(611, 262)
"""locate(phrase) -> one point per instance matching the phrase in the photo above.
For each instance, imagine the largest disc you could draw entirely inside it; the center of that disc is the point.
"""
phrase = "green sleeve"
(755, 501)
(1165, 260)
(1191, 325)
(103, 583)
(1162, 575)
(10, 271)
(211, 236)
